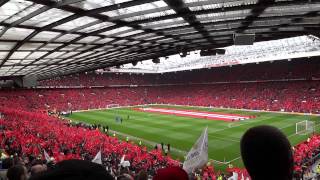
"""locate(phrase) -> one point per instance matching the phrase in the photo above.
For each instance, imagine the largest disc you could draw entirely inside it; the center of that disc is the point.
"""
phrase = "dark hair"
(267, 154)
(124, 177)
(142, 175)
(75, 170)
(15, 172)
(36, 169)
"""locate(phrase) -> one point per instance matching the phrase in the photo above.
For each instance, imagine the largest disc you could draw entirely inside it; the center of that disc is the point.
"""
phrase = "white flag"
(234, 176)
(97, 159)
(124, 163)
(122, 159)
(198, 155)
(46, 156)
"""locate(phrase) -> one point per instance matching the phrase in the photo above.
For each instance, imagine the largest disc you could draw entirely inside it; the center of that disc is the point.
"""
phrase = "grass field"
(182, 132)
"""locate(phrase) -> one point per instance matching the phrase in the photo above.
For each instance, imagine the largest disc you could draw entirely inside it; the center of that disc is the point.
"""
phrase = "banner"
(97, 159)
(197, 157)
(124, 163)
(234, 176)
(46, 156)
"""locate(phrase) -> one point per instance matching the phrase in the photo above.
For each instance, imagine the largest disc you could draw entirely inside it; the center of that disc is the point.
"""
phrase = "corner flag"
(198, 155)
(97, 159)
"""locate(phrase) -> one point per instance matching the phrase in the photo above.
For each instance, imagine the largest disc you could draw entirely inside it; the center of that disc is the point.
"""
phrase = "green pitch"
(182, 132)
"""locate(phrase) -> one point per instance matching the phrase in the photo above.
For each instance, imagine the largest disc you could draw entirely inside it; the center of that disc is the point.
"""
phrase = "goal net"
(304, 127)
(112, 106)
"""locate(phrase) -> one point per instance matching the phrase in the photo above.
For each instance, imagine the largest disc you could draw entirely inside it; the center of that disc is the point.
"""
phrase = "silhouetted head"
(17, 172)
(75, 170)
(266, 153)
(38, 168)
(142, 175)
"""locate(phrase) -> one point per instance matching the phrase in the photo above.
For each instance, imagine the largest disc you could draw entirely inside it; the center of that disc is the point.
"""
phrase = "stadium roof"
(283, 49)
(53, 37)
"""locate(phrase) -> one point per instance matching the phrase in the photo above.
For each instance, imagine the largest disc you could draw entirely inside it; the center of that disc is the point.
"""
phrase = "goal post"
(304, 127)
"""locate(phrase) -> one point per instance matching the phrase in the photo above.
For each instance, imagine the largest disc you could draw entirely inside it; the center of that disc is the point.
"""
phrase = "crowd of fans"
(27, 135)
(292, 96)
(26, 138)
(278, 70)
(306, 154)
(291, 86)
(299, 96)
(33, 142)
(27, 132)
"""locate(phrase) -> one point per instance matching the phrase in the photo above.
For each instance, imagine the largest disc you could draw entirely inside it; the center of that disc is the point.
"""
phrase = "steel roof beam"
(259, 38)
(2, 2)
(94, 13)
(181, 9)
(278, 34)
(172, 53)
(262, 5)
(224, 9)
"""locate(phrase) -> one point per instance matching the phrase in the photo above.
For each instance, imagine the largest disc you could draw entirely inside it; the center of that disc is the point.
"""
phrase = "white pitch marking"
(200, 114)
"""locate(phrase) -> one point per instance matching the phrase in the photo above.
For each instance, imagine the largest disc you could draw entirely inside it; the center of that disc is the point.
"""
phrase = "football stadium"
(160, 89)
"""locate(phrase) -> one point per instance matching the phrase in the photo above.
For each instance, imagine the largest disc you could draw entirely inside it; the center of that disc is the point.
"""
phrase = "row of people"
(292, 96)
(31, 135)
(32, 138)
(306, 154)
(278, 70)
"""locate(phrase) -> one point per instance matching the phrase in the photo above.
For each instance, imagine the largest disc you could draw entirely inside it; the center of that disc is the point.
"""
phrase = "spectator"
(38, 168)
(142, 175)
(17, 172)
(266, 153)
(75, 170)
(125, 177)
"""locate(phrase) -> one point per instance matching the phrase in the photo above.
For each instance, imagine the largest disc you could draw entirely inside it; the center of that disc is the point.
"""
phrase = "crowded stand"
(120, 89)
(27, 131)
(278, 70)
(27, 135)
(291, 96)
(306, 154)
(33, 139)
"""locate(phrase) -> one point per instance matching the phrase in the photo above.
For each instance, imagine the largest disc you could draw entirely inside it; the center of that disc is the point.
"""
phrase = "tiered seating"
(93, 79)
(305, 153)
(299, 96)
(28, 134)
(276, 94)
(278, 70)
